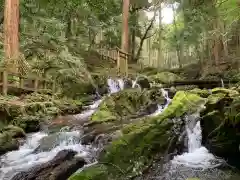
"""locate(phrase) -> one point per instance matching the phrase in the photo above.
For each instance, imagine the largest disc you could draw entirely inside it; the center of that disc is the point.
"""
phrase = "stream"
(41, 147)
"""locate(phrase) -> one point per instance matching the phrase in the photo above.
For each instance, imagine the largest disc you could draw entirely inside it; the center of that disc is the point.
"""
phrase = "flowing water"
(198, 162)
(32, 153)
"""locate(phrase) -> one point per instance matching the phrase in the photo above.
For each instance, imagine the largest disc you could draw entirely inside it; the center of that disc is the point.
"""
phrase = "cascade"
(222, 83)
(161, 108)
(134, 83)
(113, 86)
(26, 156)
(197, 156)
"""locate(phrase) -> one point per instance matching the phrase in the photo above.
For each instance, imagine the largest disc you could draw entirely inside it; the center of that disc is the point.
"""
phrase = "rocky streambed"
(136, 133)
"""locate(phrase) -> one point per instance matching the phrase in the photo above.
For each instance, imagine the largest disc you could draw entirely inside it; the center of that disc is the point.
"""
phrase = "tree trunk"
(144, 37)
(133, 33)
(178, 48)
(11, 39)
(122, 66)
(160, 56)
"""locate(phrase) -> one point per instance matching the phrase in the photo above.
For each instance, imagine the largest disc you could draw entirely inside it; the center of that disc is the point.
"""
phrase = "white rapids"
(197, 156)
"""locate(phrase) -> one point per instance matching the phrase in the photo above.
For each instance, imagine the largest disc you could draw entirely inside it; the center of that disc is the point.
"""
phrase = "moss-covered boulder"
(165, 77)
(7, 143)
(8, 138)
(14, 131)
(29, 111)
(124, 104)
(221, 122)
(135, 149)
(95, 172)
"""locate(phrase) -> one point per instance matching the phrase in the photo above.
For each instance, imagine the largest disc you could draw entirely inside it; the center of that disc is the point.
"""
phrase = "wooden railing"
(118, 55)
(27, 83)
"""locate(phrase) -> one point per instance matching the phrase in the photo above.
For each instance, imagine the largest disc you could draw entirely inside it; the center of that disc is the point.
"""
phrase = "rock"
(14, 131)
(95, 172)
(127, 83)
(7, 143)
(60, 167)
(140, 141)
(220, 124)
(165, 77)
(53, 140)
(143, 82)
(121, 105)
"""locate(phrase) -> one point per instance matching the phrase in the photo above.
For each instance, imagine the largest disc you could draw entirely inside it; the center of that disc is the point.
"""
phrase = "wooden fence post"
(118, 61)
(21, 83)
(36, 84)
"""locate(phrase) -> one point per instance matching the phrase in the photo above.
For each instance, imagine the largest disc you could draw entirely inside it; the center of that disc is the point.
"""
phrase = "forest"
(119, 89)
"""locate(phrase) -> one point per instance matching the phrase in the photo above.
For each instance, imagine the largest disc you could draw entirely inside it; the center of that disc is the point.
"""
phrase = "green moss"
(165, 77)
(7, 143)
(95, 172)
(141, 141)
(215, 98)
(229, 92)
(14, 131)
(201, 92)
(183, 102)
(121, 105)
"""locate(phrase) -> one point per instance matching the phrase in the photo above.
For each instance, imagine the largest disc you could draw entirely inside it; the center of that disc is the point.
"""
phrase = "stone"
(139, 142)
(165, 77)
(7, 143)
(60, 167)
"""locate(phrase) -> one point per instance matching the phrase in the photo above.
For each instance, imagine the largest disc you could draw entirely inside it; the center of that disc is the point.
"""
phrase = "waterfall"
(161, 108)
(27, 156)
(197, 156)
(222, 83)
(115, 85)
(134, 83)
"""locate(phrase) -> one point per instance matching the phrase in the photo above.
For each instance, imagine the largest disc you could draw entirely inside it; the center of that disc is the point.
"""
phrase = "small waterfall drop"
(197, 155)
(120, 83)
(222, 83)
(161, 108)
(27, 156)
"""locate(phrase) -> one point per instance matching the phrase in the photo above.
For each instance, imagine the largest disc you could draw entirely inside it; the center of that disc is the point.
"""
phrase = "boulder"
(138, 143)
(8, 141)
(14, 131)
(60, 167)
(121, 105)
(165, 77)
(53, 140)
(221, 123)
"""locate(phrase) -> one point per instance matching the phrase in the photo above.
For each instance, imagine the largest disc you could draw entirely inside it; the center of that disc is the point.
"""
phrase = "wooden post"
(11, 39)
(36, 84)
(118, 61)
(5, 83)
(53, 87)
(21, 83)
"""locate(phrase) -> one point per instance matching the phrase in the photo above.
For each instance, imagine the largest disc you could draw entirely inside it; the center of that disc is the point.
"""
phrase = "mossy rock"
(14, 131)
(121, 105)
(165, 77)
(201, 92)
(95, 172)
(229, 92)
(135, 149)
(7, 143)
(215, 98)
(184, 102)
